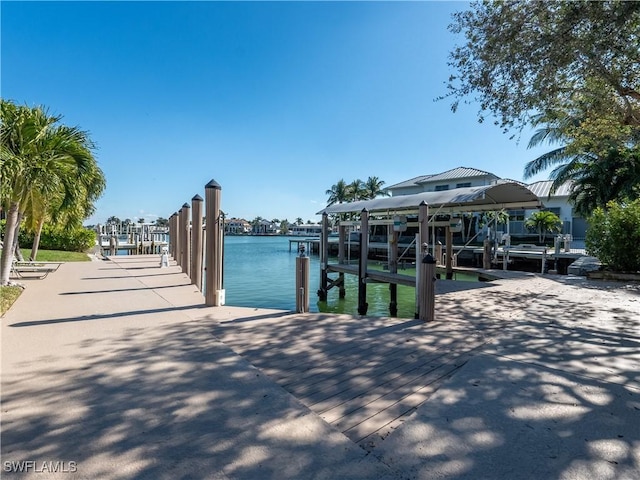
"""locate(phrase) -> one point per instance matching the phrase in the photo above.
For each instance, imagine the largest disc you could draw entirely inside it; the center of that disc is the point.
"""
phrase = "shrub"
(614, 236)
(56, 238)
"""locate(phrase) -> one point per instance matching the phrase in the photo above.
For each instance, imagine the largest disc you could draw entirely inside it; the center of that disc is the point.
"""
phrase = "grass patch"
(56, 256)
(8, 295)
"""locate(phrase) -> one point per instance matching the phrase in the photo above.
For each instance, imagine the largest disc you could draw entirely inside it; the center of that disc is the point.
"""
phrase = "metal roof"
(543, 189)
(453, 174)
(460, 172)
(507, 195)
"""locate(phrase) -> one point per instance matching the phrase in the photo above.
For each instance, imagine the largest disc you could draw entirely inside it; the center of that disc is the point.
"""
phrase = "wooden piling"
(427, 289)
(486, 254)
(324, 258)
(185, 231)
(422, 243)
(196, 241)
(302, 282)
(449, 257)
(214, 294)
(362, 266)
(393, 235)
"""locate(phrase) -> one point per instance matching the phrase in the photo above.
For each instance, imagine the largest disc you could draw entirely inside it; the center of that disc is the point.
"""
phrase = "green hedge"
(52, 238)
(614, 236)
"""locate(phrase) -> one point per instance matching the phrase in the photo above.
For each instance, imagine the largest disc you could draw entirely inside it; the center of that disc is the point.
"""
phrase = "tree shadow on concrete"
(168, 401)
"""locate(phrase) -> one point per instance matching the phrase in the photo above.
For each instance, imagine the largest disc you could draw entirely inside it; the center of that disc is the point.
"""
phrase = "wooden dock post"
(185, 240)
(486, 254)
(363, 306)
(422, 241)
(302, 281)
(324, 258)
(427, 289)
(214, 294)
(392, 235)
(449, 257)
(179, 237)
(172, 236)
(196, 241)
(342, 237)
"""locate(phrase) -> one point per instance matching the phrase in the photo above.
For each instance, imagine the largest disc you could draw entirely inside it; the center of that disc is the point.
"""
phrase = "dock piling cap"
(197, 198)
(428, 258)
(213, 184)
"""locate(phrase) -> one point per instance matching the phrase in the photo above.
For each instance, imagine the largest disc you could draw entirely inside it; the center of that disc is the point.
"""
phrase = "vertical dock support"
(302, 282)
(342, 237)
(422, 241)
(324, 258)
(214, 295)
(392, 235)
(196, 241)
(449, 257)
(179, 247)
(363, 306)
(185, 241)
(427, 288)
(486, 254)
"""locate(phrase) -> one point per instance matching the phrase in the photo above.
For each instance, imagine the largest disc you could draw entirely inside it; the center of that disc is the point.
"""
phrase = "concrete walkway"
(111, 369)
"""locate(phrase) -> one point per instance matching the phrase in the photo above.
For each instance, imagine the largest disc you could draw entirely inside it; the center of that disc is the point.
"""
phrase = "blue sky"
(276, 101)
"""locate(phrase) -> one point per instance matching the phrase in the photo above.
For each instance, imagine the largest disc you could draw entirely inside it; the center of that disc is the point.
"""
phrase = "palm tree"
(355, 190)
(373, 188)
(596, 178)
(47, 172)
(299, 221)
(338, 193)
(543, 222)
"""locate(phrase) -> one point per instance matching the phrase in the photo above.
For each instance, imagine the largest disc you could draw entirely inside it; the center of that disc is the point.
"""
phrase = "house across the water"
(463, 177)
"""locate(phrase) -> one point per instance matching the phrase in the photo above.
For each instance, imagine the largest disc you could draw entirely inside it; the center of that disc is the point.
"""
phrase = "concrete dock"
(115, 369)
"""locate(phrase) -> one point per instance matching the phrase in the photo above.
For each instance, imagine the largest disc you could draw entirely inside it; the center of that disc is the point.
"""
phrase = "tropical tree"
(299, 221)
(597, 178)
(520, 58)
(284, 226)
(372, 188)
(338, 193)
(355, 191)
(543, 222)
(160, 222)
(47, 170)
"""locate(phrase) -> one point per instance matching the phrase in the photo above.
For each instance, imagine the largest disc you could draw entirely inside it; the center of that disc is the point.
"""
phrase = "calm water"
(260, 272)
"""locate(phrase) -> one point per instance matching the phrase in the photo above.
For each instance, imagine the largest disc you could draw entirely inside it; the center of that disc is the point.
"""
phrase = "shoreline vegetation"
(10, 293)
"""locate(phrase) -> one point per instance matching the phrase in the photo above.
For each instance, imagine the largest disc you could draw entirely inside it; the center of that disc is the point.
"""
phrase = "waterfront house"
(236, 226)
(462, 177)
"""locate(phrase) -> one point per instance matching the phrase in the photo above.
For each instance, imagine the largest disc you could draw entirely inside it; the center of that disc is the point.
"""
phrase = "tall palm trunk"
(7, 251)
(16, 238)
(36, 240)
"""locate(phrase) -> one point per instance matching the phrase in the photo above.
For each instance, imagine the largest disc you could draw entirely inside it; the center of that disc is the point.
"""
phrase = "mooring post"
(486, 254)
(428, 288)
(196, 241)
(449, 254)
(324, 256)
(422, 239)
(302, 281)
(185, 231)
(179, 224)
(392, 236)
(214, 294)
(363, 306)
(172, 236)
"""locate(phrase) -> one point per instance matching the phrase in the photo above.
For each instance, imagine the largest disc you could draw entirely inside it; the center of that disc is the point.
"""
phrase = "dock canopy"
(502, 195)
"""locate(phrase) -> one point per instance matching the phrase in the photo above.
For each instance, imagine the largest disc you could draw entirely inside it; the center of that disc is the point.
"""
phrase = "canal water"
(259, 271)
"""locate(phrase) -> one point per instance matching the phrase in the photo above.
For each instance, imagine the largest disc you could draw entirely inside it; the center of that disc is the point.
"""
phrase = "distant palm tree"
(299, 221)
(373, 188)
(543, 222)
(338, 193)
(355, 190)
